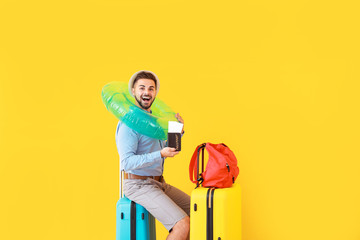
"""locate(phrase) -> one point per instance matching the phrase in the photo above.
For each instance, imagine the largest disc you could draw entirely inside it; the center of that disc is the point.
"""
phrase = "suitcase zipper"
(133, 221)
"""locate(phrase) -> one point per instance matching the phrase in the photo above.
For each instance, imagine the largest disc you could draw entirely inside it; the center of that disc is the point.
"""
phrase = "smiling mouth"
(146, 99)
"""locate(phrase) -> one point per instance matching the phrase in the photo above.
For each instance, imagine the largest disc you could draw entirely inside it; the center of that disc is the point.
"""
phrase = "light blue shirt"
(138, 153)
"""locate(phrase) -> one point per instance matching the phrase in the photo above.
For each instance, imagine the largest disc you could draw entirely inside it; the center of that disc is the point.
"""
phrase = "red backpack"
(221, 169)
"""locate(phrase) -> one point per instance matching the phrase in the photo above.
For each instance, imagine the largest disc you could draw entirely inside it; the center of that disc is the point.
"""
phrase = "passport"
(174, 140)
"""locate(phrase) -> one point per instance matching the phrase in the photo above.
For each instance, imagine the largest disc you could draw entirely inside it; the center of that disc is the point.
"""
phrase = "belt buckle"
(155, 178)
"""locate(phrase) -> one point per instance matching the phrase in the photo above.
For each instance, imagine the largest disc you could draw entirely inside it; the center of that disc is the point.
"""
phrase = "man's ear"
(133, 91)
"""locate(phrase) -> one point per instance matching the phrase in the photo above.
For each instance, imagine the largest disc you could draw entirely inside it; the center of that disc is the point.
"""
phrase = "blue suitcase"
(133, 221)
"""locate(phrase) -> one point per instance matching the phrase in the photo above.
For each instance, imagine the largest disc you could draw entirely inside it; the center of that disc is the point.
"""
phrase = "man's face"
(144, 91)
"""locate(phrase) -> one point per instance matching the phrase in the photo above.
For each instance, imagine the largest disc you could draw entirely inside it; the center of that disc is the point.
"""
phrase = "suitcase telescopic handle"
(121, 183)
(199, 179)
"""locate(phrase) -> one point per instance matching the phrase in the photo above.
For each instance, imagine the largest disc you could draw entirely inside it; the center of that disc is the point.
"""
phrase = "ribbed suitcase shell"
(226, 214)
(144, 222)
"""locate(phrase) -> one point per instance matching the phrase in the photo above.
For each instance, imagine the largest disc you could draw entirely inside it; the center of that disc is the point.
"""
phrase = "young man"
(142, 159)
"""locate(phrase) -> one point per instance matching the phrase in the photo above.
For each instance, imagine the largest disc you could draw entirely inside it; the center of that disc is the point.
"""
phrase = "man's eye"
(142, 88)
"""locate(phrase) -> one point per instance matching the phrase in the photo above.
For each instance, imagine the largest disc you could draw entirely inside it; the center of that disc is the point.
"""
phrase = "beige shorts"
(165, 202)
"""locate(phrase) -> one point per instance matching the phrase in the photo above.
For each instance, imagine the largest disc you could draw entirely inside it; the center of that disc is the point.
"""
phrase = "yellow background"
(277, 81)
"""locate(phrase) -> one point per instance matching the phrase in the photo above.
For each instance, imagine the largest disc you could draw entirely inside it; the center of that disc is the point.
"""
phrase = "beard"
(146, 107)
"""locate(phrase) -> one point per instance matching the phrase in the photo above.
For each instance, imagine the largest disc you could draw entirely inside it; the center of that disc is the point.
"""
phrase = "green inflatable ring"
(119, 102)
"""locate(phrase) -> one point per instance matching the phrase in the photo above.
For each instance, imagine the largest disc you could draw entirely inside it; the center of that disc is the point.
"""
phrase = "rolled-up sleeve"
(127, 145)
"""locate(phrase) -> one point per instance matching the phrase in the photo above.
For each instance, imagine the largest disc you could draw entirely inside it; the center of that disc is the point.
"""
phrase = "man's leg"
(150, 194)
(181, 230)
(182, 199)
(179, 197)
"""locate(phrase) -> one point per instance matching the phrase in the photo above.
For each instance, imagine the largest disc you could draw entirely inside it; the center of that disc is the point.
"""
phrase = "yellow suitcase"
(216, 213)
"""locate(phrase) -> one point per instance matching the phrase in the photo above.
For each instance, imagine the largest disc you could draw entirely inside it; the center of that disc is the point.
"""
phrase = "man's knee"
(186, 220)
(183, 225)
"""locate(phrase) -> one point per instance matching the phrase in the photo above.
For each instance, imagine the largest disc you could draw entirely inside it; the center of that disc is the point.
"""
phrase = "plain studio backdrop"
(277, 81)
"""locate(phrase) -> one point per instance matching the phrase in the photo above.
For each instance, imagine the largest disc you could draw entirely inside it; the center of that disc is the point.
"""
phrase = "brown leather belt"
(133, 176)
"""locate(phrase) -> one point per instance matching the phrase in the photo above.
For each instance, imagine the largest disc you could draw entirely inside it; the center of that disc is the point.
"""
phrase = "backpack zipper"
(228, 167)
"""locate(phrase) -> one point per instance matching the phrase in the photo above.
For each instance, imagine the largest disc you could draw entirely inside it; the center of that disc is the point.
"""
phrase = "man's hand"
(179, 118)
(168, 152)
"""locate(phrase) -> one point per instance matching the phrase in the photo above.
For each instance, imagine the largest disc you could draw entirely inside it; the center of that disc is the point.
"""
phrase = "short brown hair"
(144, 75)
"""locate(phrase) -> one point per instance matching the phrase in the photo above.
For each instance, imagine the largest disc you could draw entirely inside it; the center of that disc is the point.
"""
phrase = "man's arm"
(127, 143)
